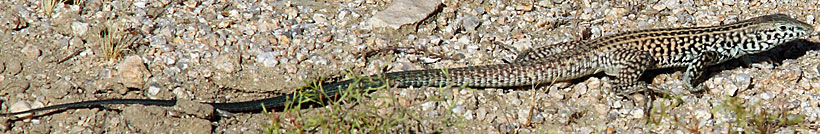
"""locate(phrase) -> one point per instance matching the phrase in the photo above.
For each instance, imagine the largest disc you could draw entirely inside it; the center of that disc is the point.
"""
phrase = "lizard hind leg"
(627, 66)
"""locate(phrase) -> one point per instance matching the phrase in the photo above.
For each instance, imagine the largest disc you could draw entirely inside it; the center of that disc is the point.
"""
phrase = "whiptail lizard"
(625, 56)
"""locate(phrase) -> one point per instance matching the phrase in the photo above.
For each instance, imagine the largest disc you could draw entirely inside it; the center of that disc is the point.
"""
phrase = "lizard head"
(772, 30)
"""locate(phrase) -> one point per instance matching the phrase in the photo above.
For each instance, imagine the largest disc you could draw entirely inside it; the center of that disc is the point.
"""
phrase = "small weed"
(757, 119)
(351, 112)
(48, 6)
(78, 2)
(662, 109)
(114, 40)
(338, 116)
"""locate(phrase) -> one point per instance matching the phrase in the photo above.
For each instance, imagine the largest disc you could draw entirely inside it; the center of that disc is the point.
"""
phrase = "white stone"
(268, 59)
(20, 106)
(402, 12)
(79, 28)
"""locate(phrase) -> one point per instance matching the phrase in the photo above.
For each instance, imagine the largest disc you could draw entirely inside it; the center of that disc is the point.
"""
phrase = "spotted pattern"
(625, 55)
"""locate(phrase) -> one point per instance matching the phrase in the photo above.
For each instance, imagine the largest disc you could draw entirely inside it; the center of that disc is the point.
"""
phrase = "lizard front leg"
(695, 69)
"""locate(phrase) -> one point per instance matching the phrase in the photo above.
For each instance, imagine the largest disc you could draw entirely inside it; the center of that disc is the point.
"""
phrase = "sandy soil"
(216, 51)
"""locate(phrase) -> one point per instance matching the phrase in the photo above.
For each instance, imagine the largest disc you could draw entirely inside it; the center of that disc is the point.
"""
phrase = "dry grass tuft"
(114, 40)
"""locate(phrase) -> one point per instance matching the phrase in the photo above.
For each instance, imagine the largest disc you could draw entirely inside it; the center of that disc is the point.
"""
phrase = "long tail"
(331, 89)
(501, 75)
(96, 103)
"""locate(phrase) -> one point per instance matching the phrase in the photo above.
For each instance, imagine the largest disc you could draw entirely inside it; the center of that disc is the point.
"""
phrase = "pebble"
(226, 62)
(427, 106)
(459, 110)
(402, 12)
(742, 80)
(701, 114)
(637, 114)
(524, 7)
(269, 59)
(470, 23)
(671, 4)
(20, 106)
(481, 113)
(765, 96)
(616, 104)
(153, 90)
(729, 2)
(523, 44)
(79, 28)
(659, 6)
(180, 93)
(13, 67)
(320, 19)
(133, 72)
(31, 51)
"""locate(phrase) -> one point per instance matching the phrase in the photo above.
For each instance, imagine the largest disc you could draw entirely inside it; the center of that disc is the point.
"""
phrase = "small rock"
(523, 44)
(320, 19)
(326, 38)
(31, 51)
(637, 114)
(140, 4)
(79, 28)
(729, 2)
(470, 23)
(545, 3)
(269, 59)
(153, 90)
(594, 83)
(132, 72)
(671, 4)
(181, 93)
(20, 106)
(481, 113)
(469, 115)
(226, 62)
(730, 90)
(703, 114)
(427, 106)
(402, 12)
(659, 6)
(765, 96)
(743, 80)
(616, 104)
(459, 110)
(524, 7)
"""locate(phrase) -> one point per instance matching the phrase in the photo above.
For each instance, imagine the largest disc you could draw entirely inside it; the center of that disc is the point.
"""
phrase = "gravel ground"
(215, 51)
